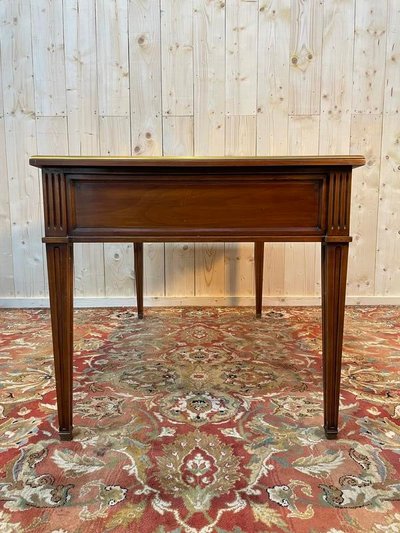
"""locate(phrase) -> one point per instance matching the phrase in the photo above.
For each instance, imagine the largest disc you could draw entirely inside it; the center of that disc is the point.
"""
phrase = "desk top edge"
(42, 161)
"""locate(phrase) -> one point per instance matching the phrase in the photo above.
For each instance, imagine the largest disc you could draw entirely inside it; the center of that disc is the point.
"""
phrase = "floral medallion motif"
(197, 467)
(199, 407)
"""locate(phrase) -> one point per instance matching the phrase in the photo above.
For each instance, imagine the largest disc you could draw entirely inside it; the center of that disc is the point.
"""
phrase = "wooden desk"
(168, 199)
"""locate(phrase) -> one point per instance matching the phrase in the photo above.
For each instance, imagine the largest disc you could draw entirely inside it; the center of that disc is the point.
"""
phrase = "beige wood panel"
(209, 77)
(48, 57)
(118, 257)
(179, 257)
(366, 132)
(177, 57)
(83, 123)
(241, 57)
(7, 288)
(145, 76)
(112, 57)
(239, 257)
(273, 77)
(388, 230)
(392, 70)
(20, 141)
(302, 260)
(336, 78)
(6, 257)
(369, 56)
(81, 79)
(305, 58)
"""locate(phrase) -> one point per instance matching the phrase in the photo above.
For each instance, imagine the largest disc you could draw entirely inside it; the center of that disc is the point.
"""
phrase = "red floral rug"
(200, 421)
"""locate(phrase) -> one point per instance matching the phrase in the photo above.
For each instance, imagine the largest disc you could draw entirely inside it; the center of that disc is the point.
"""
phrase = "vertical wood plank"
(119, 272)
(305, 60)
(241, 57)
(302, 260)
(392, 68)
(209, 77)
(273, 77)
(239, 257)
(20, 144)
(179, 257)
(177, 57)
(81, 79)
(369, 56)
(48, 57)
(366, 132)
(7, 288)
(336, 76)
(51, 135)
(112, 57)
(145, 76)
(83, 123)
(387, 281)
(6, 258)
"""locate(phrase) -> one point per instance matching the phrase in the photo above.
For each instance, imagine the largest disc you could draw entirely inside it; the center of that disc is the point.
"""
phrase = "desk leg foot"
(331, 433)
(60, 270)
(258, 275)
(138, 252)
(65, 435)
(334, 270)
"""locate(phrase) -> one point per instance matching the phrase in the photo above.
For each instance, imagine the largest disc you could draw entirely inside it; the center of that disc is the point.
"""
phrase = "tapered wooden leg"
(334, 271)
(258, 271)
(60, 272)
(138, 251)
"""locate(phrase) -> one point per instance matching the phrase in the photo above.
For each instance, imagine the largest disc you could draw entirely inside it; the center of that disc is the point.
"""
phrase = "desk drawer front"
(197, 207)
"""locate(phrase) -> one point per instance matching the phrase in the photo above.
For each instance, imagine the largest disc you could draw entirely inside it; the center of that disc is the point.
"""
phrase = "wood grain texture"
(112, 57)
(70, 67)
(305, 59)
(177, 57)
(241, 57)
(366, 132)
(336, 76)
(48, 57)
(369, 56)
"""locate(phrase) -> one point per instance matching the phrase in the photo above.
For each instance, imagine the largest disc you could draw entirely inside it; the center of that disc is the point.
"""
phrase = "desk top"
(224, 161)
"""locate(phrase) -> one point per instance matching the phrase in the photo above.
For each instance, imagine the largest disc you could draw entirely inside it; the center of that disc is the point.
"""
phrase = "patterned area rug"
(200, 421)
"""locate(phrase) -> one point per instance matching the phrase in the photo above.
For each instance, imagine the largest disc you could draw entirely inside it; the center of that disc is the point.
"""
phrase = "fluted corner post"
(335, 250)
(138, 253)
(258, 274)
(60, 273)
(334, 272)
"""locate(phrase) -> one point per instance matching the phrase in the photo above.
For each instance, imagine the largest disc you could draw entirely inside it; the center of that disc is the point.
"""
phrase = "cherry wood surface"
(176, 199)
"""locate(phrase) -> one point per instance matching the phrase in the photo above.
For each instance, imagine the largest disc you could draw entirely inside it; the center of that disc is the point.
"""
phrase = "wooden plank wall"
(202, 77)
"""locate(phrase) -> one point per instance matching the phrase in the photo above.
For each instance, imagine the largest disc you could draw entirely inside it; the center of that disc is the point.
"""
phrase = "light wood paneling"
(177, 57)
(366, 132)
(305, 57)
(241, 57)
(112, 57)
(48, 57)
(203, 77)
(369, 56)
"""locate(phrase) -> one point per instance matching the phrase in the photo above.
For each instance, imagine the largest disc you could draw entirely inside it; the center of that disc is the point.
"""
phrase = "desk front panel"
(185, 206)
